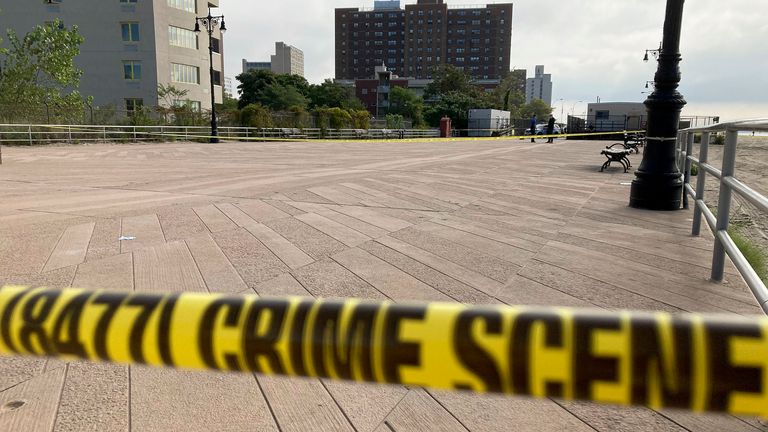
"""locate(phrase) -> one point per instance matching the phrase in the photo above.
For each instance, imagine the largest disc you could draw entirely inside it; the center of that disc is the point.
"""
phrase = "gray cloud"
(592, 47)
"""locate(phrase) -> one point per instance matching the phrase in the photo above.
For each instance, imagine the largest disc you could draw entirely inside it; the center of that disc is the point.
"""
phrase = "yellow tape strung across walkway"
(129, 133)
(694, 362)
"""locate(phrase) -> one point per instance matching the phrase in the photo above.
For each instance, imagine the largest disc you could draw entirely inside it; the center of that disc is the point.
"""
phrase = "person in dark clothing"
(551, 129)
(533, 128)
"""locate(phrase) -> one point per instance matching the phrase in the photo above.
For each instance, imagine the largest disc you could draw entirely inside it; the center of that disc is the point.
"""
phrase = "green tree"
(455, 105)
(509, 95)
(448, 78)
(361, 119)
(296, 81)
(167, 97)
(38, 72)
(538, 107)
(408, 104)
(281, 97)
(333, 95)
(255, 115)
(253, 85)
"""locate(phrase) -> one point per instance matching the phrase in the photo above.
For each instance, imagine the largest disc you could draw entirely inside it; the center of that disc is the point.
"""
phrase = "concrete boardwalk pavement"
(474, 222)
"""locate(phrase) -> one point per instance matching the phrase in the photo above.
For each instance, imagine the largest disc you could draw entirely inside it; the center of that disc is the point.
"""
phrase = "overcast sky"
(591, 47)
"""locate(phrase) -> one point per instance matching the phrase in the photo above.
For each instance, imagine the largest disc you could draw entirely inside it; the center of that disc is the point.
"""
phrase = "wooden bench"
(619, 155)
(292, 133)
(634, 141)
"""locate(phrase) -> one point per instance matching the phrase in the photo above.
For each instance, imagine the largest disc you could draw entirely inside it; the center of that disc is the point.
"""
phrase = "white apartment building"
(539, 87)
(131, 46)
(287, 60)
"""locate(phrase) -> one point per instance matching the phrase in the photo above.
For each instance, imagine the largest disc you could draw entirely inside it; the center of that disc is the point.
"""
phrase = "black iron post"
(658, 184)
(210, 23)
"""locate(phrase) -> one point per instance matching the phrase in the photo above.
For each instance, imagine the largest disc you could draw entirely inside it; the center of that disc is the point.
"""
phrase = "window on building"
(602, 115)
(128, 1)
(192, 105)
(181, 37)
(216, 78)
(132, 105)
(185, 5)
(187, 74)
(216, 45)
(130, 31)
(132, 70)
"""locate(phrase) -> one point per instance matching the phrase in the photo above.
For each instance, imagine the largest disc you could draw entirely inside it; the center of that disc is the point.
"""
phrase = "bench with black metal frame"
(634, 141)
(617, 155)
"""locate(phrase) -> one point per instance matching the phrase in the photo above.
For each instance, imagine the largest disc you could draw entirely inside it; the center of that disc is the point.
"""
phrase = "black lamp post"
(210, 23)
(658, 184)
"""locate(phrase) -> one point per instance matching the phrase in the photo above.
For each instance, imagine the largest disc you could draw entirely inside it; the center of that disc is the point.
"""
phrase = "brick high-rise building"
(413, 41)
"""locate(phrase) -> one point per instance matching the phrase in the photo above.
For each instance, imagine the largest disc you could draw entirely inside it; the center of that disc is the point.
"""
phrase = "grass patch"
(755, 255)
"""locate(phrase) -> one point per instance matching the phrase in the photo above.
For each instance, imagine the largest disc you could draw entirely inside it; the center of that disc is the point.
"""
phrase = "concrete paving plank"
(394, 283)
(606, 418)
(94, 398)
(32, 405)
(167, 268)
(104, 240)
(501, 413)
(114, 273)
(372, 217)
(219, 274)
(261, 211)
(292, 256)
(418, 411)
(335, 195)
(165, 399)
(311, 241)
(72, 247)
(252, 260)
(463, 274)
(480, 262)
(303, 405)
(147, 232)
(492, 247)
(328, 279)
(180, 223)
(340, 232)
(449, 286)
(214, 219)
(239, 217)
(281, 286)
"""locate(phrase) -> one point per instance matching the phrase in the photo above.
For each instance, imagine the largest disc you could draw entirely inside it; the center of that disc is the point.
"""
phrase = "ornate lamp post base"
(659, 184)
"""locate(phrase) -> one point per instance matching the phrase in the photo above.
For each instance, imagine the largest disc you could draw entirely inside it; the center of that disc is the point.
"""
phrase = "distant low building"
(539, 87)
(287, 60)
(616, 116)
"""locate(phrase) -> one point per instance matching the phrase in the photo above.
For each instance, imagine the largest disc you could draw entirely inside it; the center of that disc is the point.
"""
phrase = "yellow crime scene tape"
(693, 362)
(350, 140)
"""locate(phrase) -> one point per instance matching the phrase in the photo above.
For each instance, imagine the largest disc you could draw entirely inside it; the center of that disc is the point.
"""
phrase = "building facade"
(414, 40)
(131, 47)
(539, 87)
(287, 60)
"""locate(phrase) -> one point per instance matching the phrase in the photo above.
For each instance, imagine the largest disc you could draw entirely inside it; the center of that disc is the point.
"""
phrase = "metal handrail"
(49, 133)
(724, 244)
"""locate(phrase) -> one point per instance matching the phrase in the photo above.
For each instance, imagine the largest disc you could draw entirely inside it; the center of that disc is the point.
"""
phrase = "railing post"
(687, 173)
(104, 133)
(701, 182)
(724, 204)
(69, 133)
(30, 134)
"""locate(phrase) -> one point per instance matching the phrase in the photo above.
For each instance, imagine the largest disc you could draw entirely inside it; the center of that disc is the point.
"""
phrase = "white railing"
(43, 134)
(724, 244)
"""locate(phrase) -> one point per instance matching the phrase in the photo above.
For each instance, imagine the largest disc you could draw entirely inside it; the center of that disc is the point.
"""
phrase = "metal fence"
(31, 134)
(724, 244)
